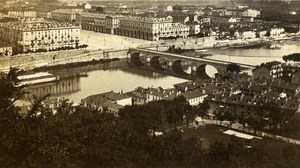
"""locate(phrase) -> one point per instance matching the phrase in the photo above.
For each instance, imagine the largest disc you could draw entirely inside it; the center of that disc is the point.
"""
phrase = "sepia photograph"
(149, 83)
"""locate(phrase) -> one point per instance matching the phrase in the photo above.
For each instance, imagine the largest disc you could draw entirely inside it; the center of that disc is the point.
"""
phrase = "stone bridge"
(180, 64)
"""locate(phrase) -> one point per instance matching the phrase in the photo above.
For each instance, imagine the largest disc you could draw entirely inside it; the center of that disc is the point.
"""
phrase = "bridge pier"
(194, 68)
(170, 63)
(148, 59)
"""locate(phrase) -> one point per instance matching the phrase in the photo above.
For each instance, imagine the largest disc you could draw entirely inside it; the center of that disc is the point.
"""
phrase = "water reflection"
(97, 80)
(67, 85)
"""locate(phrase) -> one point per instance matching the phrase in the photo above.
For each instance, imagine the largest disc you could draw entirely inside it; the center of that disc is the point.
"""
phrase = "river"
(256, 56)
(104, 78)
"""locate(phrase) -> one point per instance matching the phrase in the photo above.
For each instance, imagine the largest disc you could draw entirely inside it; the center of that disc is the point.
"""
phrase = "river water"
(104, 78)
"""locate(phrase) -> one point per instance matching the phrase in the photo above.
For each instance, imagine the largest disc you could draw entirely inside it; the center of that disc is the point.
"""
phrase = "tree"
(10, 91)
(273, 111)
(220, 115)
(233, 67)
(242, 119)
(202, 109)
(230, 116)
(257, 123)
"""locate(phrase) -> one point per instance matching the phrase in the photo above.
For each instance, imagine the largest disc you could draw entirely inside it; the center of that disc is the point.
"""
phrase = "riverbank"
(75, 64)
(58, 58)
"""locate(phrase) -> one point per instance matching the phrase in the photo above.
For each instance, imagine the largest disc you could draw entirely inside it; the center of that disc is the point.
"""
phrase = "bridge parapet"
(169, 59)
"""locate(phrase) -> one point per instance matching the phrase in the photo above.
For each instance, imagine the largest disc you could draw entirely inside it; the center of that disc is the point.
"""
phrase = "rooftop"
(193, 94)
(35, 24)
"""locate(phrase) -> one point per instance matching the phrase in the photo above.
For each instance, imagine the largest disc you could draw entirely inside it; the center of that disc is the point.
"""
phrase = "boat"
(274, 46)
(37, 78)
(200, 51)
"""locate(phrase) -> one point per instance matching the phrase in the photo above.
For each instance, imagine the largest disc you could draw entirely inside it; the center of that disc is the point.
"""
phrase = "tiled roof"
(193, 94)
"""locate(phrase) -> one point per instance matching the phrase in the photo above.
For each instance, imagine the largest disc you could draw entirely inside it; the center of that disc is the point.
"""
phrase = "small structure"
(194, 97)
(110, 102)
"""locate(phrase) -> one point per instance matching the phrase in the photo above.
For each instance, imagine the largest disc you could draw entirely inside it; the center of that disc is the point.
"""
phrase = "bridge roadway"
(196, 59)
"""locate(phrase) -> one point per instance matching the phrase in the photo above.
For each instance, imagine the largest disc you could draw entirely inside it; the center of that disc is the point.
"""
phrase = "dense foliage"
(292, 57)
(68, 136)
(233, 67)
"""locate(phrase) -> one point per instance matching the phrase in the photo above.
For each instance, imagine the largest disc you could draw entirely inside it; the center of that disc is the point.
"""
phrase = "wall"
(33, 60)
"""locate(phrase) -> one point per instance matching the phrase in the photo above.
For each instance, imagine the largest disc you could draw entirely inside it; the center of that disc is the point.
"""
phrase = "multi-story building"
(276, 31)
(65, 15)
(152, 29)
(36, 34)
(100, 22)
(110, 101)
(145, 95)
(6, 50)
(43, 14)
(251, 13)
(22, 13)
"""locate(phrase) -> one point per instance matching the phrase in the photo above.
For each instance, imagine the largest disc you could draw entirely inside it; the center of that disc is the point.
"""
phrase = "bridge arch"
(177, 68)
(206, 71)
(156, 63)
(135, 59)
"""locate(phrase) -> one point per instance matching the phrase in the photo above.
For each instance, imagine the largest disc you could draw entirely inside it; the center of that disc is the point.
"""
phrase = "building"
(194, 97)
(169, 8)
(261, 72)
(44, 14)
(285, 70)
(145, 95)
(38, 34)
(6, 50)
(110, 101)
(87, 6)
(234, 20)
(152, 29)
(276, 31)
(247, 35)
(296, 78)
(251, 13)
(261, 33)
(65, 15)
(100, 22)
(22, 13)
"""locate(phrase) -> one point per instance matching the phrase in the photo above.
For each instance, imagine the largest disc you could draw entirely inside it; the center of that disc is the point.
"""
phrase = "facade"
(152, 29)
(44, 14)
(65, 15)
(36, 34)
(22, 14)
(261, 33)
(87, 6)
(145, 95)
(276, 31)
(100, 22)
(248, 35)
(296, 78)
(261, 72)
(6, 50)
(251, 13)
(284, 70)
(194, 97)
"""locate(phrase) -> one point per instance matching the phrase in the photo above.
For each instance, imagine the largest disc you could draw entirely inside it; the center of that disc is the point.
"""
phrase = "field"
(211, 133)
